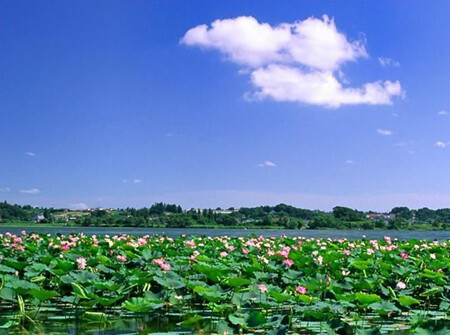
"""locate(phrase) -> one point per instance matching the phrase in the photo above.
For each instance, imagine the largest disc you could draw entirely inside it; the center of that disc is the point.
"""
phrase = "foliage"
(228, 284)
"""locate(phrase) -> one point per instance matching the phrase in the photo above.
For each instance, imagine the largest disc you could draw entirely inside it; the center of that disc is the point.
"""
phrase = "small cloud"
(137, 181)
(394, 114)
(80, 206)
(267, 164)
(442, 112)
(403, 144)
(5, 189)
(384, 132)
(441, 144)
(349, 161)
(385, 62)
(31, 154)
(168, 135)
(31, 191)
(124, 181)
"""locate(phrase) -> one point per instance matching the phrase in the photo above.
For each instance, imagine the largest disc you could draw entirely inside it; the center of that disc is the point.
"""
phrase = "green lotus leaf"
(94, 316)
(142, 305)
(432, 291)
(43, 295)
(237, 281)
(407, 301)
(384, 307)
(366, 298)
(279, 297)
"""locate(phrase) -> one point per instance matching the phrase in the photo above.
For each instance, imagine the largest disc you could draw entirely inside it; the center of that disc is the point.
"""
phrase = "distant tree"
(402, 212)
(322, 221)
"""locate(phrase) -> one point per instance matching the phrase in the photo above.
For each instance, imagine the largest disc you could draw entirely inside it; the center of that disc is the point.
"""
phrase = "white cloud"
(441, 144)
(31, 154)
(294, 62)
(312, 42)
(349, 161)
(5, 189)
(403, 144)
(385, 62)
(442, 112)
(267, 164)
(284, 83)
(384, 132)
(31, 191)
(137, 181)
(80, 206)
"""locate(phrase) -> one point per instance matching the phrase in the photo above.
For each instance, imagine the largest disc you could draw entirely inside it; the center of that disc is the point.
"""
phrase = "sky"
(219, 104)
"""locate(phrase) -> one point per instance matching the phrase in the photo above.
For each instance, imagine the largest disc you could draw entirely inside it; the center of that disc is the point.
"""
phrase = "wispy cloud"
(267, 164)
(31, 154)
(442, 112)
(386, 61)
(79, 206)
(31, 191)
(137, 181)
(384, 132)
(441, 144)
(295, 62)
(5, 189)
(403, 144)
(349, 161)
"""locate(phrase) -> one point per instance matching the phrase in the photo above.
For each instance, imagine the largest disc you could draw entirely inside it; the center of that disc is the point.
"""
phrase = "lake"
(174, 232)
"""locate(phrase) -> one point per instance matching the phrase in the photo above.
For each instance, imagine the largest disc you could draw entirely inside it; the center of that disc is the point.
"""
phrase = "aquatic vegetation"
(228, 285)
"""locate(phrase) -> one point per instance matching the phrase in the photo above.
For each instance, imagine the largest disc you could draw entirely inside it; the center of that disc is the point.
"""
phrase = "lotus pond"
(126, 284)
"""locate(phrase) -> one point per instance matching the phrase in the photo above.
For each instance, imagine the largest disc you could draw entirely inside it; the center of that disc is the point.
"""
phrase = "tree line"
(279, 216)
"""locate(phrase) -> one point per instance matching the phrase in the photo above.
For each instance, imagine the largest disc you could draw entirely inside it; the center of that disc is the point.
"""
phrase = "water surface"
(174, 232)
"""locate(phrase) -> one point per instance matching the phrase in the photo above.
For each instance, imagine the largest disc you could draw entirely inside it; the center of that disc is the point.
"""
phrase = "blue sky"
(127, 103)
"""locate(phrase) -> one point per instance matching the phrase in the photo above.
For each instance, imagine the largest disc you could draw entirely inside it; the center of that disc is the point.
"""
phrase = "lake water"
(174, 232)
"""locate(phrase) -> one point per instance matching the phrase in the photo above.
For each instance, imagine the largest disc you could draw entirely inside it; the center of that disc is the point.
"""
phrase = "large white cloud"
(293, 61)
(313, 42)
(284, 83)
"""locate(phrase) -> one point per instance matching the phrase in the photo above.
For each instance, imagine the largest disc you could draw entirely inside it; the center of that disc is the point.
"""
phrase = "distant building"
(38, 218)
(383, 216)
(222, 211)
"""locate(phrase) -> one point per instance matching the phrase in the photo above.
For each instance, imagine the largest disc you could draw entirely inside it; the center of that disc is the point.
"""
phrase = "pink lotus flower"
(245, 251)
(347, 252)
(65, 247)
(121, 258)
(165, 267)
(288, 262)
(401, 285)
(161, 262)
(158, 261)
(404, 255)
(262, 288)
(301, 289)
(81, 263)
(223, 254)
